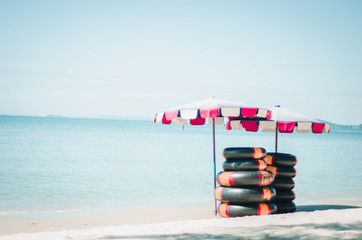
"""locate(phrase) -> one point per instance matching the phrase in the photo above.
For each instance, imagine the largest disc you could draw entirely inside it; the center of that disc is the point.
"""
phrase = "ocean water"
(51, 167)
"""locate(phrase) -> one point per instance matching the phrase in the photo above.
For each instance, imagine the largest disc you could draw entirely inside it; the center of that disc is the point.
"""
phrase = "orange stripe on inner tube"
(257, 153)
(266, 194)
(226, 179)
(265, 178)
(273, 169)
(263, 209)
(218, 193)
(223, 209)
(261, 165)
(269, 159)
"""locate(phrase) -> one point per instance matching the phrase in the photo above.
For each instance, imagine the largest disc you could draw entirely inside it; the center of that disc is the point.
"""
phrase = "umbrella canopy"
(284, 121)
(211, 108)
(214, 110)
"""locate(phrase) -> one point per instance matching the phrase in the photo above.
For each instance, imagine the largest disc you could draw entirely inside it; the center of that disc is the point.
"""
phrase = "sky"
(120, 58)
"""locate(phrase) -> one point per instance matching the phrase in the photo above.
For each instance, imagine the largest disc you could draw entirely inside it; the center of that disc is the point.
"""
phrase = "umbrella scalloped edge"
(197, 117)
(283, 127)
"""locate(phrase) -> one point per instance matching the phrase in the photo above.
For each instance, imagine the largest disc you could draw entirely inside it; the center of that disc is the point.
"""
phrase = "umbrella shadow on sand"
(323, 207)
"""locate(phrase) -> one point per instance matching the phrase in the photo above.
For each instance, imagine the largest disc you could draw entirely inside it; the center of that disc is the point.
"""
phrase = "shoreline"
(129, 216)
(193, 219)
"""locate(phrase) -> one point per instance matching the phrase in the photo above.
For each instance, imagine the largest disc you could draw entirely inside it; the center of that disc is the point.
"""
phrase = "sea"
(62, 167)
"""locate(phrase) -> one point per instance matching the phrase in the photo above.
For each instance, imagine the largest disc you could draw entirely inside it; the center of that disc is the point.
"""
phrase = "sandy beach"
(309, 222)
(131, 216)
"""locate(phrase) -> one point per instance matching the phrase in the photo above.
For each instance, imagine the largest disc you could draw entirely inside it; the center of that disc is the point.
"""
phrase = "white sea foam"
(328, 224)
(39, 212)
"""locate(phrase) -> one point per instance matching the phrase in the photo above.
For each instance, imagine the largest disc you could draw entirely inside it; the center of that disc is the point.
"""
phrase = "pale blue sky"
(92, 58)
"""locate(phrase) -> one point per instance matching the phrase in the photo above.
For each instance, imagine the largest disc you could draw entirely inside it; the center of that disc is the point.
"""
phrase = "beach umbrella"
(212, 109)
(282, 120)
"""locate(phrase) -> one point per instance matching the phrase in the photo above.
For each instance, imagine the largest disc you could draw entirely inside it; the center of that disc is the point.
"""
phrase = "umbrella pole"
(213, 144)
(276, 138)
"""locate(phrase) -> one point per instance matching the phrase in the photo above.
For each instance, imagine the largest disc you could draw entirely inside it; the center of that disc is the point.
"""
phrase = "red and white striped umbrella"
(282, 120)
(214, 110)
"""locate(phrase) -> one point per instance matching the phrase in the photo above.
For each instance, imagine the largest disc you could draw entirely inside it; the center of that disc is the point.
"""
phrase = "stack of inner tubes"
(245, 184)
(282, 166)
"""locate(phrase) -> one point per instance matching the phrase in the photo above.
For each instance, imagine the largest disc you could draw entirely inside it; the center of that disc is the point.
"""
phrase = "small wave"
(28, 212)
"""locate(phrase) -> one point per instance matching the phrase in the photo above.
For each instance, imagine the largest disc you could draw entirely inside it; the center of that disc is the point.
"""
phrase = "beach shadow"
(179, 237)
(330, 231)
(312, 208)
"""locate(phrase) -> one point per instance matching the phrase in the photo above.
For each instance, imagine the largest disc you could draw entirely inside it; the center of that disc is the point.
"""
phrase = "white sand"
(129, 216)
(336, 223)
